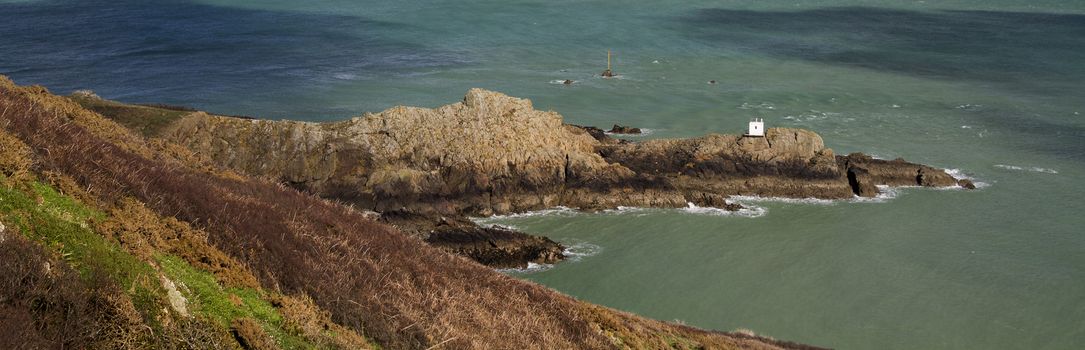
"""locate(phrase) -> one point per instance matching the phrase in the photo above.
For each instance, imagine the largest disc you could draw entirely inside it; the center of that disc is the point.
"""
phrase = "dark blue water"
(991, 88)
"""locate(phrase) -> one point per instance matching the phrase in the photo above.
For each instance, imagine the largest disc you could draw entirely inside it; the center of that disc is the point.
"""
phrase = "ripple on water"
(1026, 168)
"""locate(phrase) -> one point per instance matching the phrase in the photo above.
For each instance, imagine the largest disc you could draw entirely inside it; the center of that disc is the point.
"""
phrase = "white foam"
(504, 227)
(555, 211)
(1031, 169)
(756, 199)
(573, 253)
(747, 211)
(885, 193)
(812, 116)
(961, 175)
(531, 268)
(562, 82)
(762, 105)
(577, 251)
(620, 210)
(957, 174)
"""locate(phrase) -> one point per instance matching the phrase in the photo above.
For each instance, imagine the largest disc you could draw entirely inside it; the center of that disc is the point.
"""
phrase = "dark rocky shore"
(427, 170)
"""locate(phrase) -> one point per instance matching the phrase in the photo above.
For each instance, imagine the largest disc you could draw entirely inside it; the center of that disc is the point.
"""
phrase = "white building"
(757, 127)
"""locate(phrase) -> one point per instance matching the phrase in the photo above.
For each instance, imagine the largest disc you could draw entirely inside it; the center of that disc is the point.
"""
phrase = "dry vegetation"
(369, 278)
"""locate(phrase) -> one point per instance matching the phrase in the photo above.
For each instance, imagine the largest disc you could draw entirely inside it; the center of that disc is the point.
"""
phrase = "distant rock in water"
(618, 129)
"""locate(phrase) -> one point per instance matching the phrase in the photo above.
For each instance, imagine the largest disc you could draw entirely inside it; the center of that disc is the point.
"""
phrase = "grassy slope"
(72, 232)
(147, 120)
(367, 276)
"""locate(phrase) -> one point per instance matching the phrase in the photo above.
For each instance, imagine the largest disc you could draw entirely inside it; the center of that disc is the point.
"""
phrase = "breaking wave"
(577, 251)
(1031, 169)
(573, 253)
(959, 175)
(749, 211)
(755, 199)
(531, 268)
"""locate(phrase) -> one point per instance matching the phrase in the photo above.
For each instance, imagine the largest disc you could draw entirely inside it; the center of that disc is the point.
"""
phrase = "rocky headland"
(426, 169)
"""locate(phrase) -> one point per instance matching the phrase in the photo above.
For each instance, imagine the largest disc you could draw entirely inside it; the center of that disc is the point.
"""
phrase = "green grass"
(64, 225)
(147, 120)
(209, 299)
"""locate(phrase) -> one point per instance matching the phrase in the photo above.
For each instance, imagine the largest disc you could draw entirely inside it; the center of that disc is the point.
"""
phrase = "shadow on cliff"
(181, 52)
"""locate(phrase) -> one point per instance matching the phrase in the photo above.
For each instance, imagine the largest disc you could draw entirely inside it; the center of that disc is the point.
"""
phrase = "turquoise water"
(992, 88)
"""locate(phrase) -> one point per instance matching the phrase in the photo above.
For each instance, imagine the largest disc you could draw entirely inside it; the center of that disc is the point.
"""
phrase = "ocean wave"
(961, 175)
(748, 211)
(502, 227)
(756, 199)
(531, 268)
(562, 82)
(762, 105)
(885, 193)
(558, 211)
(580, 250)
(812, 116)
(1031, 169)
(620, 210)
(573, 253)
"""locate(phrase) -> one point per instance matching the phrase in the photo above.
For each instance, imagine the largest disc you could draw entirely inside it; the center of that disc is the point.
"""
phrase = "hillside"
(114, 240)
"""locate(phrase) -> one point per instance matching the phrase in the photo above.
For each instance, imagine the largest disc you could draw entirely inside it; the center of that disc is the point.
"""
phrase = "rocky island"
(426, 170)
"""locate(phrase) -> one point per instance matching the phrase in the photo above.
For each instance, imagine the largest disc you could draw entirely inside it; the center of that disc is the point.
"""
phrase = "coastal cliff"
(113, 240)
(496, 154)
(425, 170)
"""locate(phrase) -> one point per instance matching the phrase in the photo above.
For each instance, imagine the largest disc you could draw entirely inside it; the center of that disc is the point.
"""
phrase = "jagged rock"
(704, 199)
(966, 183)
(899, 172)
(494, 154)
(619, 129)
(861, 182)
(491, 246)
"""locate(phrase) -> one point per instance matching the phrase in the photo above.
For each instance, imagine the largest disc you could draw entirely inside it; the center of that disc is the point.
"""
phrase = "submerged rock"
(618, 129)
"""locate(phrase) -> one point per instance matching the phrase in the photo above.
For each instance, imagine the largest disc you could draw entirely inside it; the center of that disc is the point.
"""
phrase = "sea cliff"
(427, 169)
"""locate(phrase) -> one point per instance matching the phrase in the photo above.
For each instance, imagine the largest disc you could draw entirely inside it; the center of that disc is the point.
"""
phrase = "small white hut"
(757, 127)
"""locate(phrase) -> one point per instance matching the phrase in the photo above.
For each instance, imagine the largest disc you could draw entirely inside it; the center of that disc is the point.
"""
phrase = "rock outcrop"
(495, 154)
(621, 129)
(492, 246)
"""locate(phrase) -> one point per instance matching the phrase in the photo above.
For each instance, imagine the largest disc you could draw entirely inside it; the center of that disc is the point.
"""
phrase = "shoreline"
(411, 161)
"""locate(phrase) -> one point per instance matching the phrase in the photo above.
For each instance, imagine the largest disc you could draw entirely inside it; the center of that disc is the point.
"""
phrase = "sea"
(992, 89)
